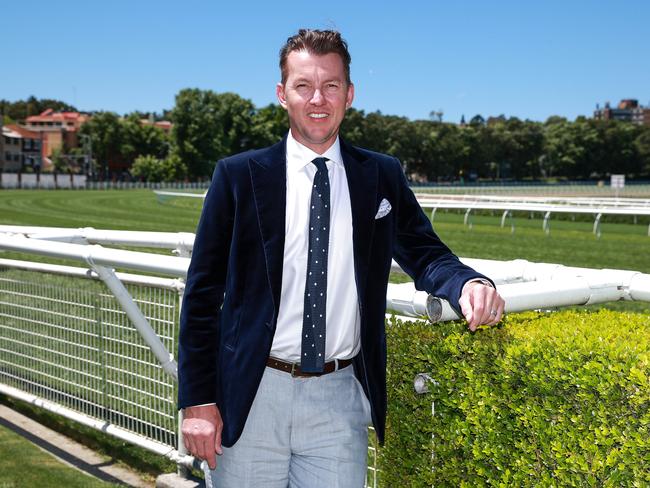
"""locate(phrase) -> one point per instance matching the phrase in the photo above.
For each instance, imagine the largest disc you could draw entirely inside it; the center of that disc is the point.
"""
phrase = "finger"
(501, 309)
(466, 307)
(188, 440)
(497, 306)
(479, 308)
(211, 458)
(217, 440)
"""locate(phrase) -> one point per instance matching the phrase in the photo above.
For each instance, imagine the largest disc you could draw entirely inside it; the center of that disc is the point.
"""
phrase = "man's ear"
(350, 96)
(279, 92)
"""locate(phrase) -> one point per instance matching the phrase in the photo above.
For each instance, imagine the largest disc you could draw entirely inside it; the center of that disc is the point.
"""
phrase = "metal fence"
(68, 341)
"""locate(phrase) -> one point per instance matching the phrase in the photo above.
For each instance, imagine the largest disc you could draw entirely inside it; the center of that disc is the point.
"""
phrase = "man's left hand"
(481, 304)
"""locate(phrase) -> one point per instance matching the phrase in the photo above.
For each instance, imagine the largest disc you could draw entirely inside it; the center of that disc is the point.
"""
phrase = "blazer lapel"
(269, 180)
(362, 183)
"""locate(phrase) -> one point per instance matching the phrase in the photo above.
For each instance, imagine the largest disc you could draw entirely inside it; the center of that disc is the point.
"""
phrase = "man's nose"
(317, 97)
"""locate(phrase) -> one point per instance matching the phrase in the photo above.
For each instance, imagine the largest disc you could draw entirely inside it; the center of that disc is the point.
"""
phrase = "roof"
(7, 132)
(162, 124)
(22, 132)
(50, 116)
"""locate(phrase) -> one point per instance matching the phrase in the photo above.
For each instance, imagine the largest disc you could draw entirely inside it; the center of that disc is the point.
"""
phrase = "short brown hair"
(318, 42)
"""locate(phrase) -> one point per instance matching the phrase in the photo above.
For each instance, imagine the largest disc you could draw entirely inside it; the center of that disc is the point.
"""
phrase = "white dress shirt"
(342, 310)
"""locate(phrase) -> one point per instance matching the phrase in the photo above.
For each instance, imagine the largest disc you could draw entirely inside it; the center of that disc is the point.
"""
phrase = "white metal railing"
(67, 345)
(547, 208)
(595, 206)
(101, 354)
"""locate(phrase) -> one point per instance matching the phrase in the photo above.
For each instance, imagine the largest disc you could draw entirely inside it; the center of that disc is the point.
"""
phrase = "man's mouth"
(318, 115)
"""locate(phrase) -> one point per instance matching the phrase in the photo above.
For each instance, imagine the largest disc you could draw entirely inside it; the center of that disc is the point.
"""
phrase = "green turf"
(621, 246)
(111, 209)
(22, 464)
(572, 243)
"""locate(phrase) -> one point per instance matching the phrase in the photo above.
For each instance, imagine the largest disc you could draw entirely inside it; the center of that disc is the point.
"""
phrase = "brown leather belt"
(294, 368)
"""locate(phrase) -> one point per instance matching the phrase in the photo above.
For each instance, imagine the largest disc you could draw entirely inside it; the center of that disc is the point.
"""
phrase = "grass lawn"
(622, 245)
(22, 464)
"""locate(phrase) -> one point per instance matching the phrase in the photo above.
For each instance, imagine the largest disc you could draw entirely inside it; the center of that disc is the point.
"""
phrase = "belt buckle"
(294, 368)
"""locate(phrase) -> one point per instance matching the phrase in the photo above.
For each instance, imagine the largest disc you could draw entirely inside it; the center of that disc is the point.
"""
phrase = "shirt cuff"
(475, 280)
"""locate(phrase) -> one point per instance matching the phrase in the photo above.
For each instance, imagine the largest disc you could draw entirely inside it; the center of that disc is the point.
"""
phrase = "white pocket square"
(384, 209)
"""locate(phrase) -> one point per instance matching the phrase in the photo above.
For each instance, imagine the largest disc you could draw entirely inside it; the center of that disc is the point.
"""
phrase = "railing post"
(421, 384)
(102, 357)
(181, 469)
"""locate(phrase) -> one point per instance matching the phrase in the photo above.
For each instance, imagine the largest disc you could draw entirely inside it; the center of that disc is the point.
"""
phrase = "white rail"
(529, 286)
(182, 242)
(630, 285)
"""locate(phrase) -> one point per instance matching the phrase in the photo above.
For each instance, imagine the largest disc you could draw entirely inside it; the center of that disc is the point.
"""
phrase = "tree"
(642, 145)
(142, 139)
(21, 109)
(209, 126)
(107, 135)
(149, 168)
(269, 125)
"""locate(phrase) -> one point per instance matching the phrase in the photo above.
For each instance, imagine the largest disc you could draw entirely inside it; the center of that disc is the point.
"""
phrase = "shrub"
(152, 169)
(558, 399)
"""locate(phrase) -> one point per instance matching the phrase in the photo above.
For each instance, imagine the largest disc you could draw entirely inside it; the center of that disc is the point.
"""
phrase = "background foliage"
(209, 126)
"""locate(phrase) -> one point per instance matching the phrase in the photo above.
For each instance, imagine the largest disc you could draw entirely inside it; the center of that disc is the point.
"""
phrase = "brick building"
(58, 130)
(20, 149)
(627, 110)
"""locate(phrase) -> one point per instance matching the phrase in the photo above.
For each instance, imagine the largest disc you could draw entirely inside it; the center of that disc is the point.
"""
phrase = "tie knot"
(320, 163)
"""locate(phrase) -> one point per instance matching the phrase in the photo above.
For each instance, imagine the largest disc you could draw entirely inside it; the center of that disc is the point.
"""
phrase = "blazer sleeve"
(421, 253)
(198, 341)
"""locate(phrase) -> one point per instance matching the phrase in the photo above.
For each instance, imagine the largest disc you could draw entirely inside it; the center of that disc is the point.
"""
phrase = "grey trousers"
(300, 433)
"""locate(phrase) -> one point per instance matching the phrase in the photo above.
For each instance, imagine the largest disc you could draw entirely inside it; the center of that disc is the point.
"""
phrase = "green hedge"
(560, 399)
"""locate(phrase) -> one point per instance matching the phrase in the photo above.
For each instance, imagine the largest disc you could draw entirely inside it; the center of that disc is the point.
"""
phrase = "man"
(282, 347)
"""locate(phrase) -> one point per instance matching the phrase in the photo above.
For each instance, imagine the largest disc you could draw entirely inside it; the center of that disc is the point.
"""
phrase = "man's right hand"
(201, 431)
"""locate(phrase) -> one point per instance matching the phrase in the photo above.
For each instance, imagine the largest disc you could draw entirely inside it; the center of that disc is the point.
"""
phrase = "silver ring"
(493, 313)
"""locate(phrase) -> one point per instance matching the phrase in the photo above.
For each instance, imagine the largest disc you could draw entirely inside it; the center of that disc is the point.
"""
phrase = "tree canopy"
(208, 126)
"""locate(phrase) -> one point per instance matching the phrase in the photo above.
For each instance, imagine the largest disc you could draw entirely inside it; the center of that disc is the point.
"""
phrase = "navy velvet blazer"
(232, 293)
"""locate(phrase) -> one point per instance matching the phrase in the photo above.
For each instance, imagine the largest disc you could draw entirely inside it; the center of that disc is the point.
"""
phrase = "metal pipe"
(89, 235)
(101, 425)
(579, 290)
(139, 320)
(141, 261)
(131, 279)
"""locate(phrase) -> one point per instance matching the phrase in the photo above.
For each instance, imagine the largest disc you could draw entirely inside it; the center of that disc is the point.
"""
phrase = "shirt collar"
(299, 155)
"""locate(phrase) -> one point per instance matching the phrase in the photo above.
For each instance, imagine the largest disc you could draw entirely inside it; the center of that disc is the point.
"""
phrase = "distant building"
(164, 125)
(627, 110)
(57, 129)
(31, 151)
(10, 160)
(20, 149)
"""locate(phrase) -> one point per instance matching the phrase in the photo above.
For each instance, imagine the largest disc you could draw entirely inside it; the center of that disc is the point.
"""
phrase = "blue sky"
(518, 58)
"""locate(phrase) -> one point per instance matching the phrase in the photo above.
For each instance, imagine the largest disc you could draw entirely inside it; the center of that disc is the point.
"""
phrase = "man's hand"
(480, 304)
(201, 431)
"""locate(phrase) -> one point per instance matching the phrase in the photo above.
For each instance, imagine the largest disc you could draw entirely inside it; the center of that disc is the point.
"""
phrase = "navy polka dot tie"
(312, 356)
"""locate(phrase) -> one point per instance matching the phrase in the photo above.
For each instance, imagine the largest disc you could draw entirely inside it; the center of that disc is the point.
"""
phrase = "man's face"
(315, 95)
